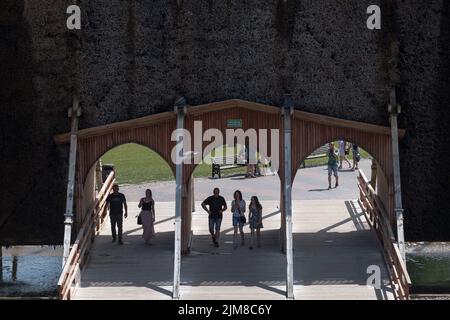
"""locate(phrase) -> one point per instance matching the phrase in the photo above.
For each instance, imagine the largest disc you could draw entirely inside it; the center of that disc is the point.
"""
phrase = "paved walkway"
(333, 247)
(309, 184)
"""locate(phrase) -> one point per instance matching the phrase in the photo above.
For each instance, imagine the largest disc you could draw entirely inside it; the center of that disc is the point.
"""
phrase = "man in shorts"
(217, 205)
(333, 160)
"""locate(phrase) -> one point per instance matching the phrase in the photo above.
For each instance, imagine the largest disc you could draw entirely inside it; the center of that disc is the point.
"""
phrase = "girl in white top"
(238, 210)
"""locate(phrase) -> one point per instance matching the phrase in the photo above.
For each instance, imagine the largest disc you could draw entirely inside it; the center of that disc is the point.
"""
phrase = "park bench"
(224, 163)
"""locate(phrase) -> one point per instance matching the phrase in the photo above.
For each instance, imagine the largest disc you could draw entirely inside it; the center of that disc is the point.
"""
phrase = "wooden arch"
(309, 131)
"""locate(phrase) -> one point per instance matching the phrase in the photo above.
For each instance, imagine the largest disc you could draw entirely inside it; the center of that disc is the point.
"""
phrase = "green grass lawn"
(323, 160)
(136, 164)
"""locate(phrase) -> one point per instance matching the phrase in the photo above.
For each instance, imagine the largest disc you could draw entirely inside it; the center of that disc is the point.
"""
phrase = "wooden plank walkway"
(333, 247)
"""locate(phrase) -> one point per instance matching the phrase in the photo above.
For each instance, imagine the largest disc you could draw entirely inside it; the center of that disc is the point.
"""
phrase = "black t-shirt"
(116, 202)
(215, 205)
(147, 206)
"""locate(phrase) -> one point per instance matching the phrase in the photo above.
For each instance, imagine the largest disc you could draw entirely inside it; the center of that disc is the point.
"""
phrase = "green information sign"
(234, 123)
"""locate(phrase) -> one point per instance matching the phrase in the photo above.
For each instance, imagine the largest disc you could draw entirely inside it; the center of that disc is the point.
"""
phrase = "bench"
(224, 163)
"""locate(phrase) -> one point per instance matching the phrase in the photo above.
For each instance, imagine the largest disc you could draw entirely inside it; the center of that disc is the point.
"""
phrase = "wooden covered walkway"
(294, 135)
(333, 246)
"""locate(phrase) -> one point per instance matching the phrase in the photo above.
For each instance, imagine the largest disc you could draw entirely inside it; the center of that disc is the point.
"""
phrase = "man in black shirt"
(116, 202)
(217, 205)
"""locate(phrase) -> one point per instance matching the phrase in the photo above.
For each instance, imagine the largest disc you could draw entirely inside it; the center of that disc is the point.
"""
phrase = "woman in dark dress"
(147, 205)
(255, 217)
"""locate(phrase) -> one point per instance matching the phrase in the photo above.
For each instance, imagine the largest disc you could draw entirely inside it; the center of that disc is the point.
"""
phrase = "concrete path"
(333, 247)
(309, 184)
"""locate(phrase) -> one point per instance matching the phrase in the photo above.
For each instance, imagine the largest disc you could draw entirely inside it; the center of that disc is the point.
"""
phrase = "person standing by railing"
(116, 202)
(356, 156)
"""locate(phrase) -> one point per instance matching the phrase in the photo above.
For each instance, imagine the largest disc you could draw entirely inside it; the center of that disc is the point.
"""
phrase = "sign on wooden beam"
(234, 123)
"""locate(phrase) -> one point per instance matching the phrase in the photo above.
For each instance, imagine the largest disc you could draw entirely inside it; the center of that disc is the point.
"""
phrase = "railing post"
(394, 109)
(373, 175)
(1, 263)
(73, 113)
(180, 110)
(98, 174)
(287, 117)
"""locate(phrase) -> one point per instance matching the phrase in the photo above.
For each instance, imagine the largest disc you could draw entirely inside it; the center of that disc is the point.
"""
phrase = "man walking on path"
(116, 201)
(332, 165)
(217, 205)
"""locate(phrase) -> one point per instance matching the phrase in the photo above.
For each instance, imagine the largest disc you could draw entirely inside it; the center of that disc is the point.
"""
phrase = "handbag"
(139, 220)
(242, 217)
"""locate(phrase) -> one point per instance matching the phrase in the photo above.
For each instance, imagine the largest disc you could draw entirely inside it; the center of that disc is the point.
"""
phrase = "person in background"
(116, 202)
(255, 221)
(356, 156)
(217, 205)
(332, 165)
(238, 210)
(342, 154)
(251, 161)
(147, 205)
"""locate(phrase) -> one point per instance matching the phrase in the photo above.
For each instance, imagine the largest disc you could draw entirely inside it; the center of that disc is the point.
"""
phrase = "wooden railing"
(79, 253)
(377, 216)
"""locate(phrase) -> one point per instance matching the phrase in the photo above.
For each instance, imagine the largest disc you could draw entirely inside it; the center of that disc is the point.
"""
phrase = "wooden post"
(191, 190)
(282, 215)
(287, 114)
(1, 263)
(373, 176)
(98, 174)
(14, 268)
(74, 113)
(394, 109)
(180, 110)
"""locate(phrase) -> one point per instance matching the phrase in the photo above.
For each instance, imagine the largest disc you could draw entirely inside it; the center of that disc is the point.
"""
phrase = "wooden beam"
(222, 105)
(180, 109)
(287, 117)
(117, 126)
(394, 110)
(233, 103)
(337, 122)
(74, 113)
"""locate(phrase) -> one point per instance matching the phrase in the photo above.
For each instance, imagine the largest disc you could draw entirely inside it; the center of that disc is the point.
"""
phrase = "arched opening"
(233, 263)
(332, 240)
(136, 168)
